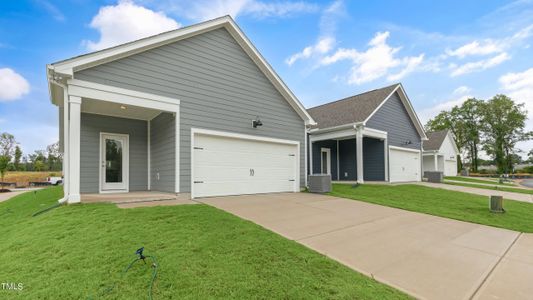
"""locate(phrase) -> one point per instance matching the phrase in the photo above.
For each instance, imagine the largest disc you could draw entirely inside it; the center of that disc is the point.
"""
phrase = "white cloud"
(519, 86)
(479, 65)
(462, 90)
(12, 85)
(476, 48)
(377, 61)
(126, 22)
(51, 9)
(428, 113)
(326, 41)
(411, 64)
(322, 46)
(201, 10)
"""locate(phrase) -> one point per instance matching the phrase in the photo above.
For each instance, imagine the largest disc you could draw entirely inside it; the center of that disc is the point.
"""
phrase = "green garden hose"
(42, 211)
(152, 280)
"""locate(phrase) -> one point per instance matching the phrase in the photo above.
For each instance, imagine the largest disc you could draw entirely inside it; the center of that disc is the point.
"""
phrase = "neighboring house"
(374, 136)
(196, 111)
(440, 153)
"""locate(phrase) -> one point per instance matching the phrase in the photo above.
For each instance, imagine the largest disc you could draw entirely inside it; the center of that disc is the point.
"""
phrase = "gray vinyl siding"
(373, 159)
(317, 159)
(162, 152)
(347, 159)
(393, 118)
(91, 127)
(219, 86)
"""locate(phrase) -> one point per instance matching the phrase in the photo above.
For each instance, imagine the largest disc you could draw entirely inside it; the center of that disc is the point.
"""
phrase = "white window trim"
(126, 169)
(328, 157)
(201, 131)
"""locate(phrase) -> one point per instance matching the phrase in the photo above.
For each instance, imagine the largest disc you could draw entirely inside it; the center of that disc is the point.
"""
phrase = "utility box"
(496, 204)
(434, 176)
(319, 183)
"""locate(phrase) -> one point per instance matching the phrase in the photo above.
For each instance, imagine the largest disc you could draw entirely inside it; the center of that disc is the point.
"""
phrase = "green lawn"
(494, 187)
(440, 202)
(76, 251)
(477, 180)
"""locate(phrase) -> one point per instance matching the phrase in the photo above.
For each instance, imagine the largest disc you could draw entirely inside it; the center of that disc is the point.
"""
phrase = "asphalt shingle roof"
(349, 110)
(435, 140)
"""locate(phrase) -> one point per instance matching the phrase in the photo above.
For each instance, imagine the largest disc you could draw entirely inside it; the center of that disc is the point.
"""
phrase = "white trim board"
(68, 67)
(404, 149)
(86, 89)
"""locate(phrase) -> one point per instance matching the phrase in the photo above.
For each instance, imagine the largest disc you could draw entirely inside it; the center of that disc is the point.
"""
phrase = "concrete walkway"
(426, 256)
(482, 192)
(9, 195)
(490, 184)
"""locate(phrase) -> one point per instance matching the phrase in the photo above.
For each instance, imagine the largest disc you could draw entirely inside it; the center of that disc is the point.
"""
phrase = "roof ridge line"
(348, 98)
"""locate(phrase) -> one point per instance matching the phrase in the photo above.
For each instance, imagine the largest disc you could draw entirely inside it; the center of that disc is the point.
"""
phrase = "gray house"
(374, 136)
(195, 111)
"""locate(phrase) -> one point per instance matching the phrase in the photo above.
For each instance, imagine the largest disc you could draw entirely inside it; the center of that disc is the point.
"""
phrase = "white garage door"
(450, 168)
(404, 165)
(225, 165)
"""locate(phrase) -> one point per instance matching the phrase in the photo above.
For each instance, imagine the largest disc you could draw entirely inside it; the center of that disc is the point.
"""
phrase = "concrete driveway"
(425, 256)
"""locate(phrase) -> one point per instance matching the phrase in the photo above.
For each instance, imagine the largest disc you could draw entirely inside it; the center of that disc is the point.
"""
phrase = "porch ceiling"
(118, 110)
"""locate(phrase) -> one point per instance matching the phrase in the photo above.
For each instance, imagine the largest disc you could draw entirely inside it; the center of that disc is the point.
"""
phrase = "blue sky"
(442, 51)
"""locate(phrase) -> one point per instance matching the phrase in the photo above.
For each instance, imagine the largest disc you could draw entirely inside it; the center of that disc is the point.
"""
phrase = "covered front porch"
(352, 154)
(118, 144)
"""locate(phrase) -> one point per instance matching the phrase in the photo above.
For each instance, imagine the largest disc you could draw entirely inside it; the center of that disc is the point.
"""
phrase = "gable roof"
(360, 108)
(435, 140)
(66, 68)
(353, 109)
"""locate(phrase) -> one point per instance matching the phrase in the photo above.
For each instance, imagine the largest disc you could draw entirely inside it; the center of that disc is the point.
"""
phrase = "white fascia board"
(68, 67)
(108, 93)
(381, 104)
(452, 140)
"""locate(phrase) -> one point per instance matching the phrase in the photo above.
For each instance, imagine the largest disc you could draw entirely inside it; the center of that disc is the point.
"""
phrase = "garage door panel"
(232, 166)
(226, 159)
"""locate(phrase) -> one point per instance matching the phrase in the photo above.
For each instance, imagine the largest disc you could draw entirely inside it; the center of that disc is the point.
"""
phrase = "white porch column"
(436, 161)
(66, 156)
(74, 149)
(359, 153)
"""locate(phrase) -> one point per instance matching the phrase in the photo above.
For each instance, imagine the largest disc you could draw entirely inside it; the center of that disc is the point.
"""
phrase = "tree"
(7, 141)
(530, 156)
(55, 157)
(503, 126)
(469, 114)
(4, 162)
(18, 156)
(38, 165)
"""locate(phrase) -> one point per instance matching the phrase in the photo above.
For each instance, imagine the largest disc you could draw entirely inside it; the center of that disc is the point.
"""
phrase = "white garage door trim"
(200, 131)
(405, 150)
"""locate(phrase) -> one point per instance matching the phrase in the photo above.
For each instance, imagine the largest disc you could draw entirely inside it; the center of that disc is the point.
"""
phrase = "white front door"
(225, 165)
(114, 163)
(404, 164)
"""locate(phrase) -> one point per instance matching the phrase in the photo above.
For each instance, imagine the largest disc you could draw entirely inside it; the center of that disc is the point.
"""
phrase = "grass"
(494, 187)
(477, 180)
(75, 251)
(443, 203)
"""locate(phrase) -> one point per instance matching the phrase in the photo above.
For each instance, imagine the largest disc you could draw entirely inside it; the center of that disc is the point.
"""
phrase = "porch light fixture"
(257, 122)
(123, 107)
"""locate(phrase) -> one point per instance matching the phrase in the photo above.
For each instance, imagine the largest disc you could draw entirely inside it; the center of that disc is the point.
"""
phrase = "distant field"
(23, 178)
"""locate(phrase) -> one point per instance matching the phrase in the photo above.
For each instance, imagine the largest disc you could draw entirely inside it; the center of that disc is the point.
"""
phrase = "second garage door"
(229, 165)
(404, 165)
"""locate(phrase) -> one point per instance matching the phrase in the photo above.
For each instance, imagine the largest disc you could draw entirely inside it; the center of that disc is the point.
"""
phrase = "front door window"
(114, 162)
